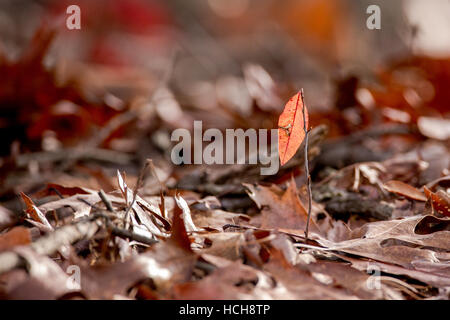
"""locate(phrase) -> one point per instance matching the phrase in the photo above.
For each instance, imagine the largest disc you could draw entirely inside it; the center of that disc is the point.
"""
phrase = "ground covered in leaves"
(93, 208)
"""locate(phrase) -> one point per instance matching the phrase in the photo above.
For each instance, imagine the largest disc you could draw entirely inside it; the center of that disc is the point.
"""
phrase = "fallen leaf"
(284, 210)
(34, 211)
(146, 220)
(165, 263)
(44, 280)
(15, 237)
(439, 200)
(430, 224)
(225, 244)
(405, 190)
(79, 207)
(355, 281)
(216, 219)
(187, 218)
(300, 283)
(425, 277)
(280, 209)
(395, 241)
(52, 188)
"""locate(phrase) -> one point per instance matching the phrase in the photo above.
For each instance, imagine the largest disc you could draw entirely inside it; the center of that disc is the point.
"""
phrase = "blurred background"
(138, 69)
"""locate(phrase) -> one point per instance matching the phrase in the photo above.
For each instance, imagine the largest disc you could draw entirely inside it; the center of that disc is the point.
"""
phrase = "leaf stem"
(308, 176)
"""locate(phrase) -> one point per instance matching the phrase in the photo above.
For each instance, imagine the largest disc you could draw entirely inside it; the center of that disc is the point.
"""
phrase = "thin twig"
(308, 176)
(105, 200)
(123, 233)
(68, 234)
(88, 203)
(229, 225)
(49, 244)
(135, 191)
(308, 246)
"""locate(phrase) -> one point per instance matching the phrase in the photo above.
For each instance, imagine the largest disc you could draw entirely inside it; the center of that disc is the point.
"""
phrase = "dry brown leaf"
(146, 220)
(405, 190)
(280, 209)
(216, 219)
(79, 207)
(395, 242)
(63, 190)
(425, 277)
(357, 282)
(34, 211)
(15, 237)
(44, 279)
(224, 244)
(299, 283)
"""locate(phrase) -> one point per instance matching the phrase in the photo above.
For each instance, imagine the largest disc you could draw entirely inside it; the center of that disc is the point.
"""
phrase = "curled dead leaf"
(34, 211)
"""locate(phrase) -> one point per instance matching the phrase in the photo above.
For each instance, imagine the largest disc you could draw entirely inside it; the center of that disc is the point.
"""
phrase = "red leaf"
(34, 211)
(291, 130)
(439, 200)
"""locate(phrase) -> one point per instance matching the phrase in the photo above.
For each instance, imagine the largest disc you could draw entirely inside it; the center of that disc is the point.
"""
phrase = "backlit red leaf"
(291, 128)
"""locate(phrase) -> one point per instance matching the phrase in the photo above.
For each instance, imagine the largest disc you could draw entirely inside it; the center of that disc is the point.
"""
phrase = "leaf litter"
(379, 209)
